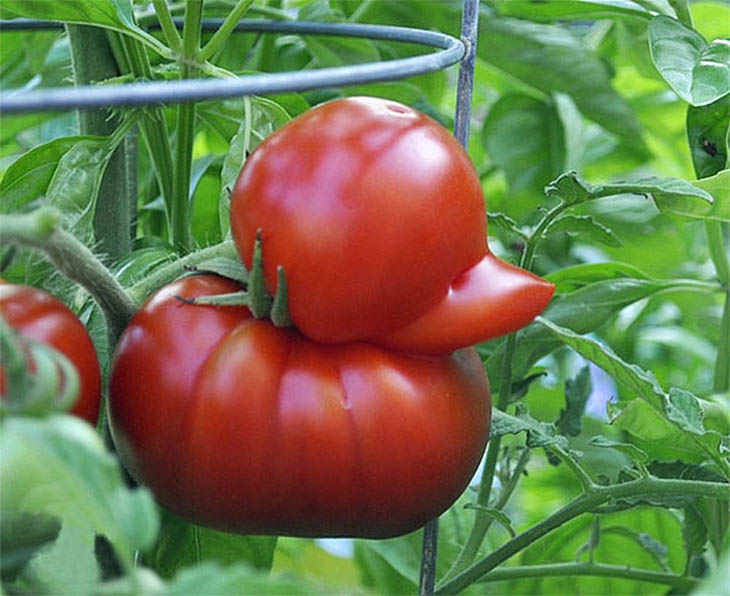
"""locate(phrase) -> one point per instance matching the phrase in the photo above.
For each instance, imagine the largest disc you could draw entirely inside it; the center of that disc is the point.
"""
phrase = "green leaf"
(694, 532)
(552, 10)
(75, 184)
(715, 514)
(574, 277)
(639, 382)
(585, 226)
(504, 222)
(707, 131)
(699, 73)
(58, 466)
(656, 549)
(112, 14)
(634, 452)
(661, 437)
(539, 434)
(69, 566)
(551, 59)
(525, 138)
(21, 536)
(256, 123)
(28, 177)
(181, 544)
(583, 311)
(573, 189)
(577, 392)
(718, 186)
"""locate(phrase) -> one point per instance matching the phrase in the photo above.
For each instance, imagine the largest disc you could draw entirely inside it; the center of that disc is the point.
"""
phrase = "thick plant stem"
(179, 214)
(586, 502)
(598, 569)
(140, 291)
(93, 61)
(164, 17)
(39, 229)
(721, 260)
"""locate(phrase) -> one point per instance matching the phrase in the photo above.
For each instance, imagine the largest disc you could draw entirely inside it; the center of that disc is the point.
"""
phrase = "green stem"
(585, 480)
(721, 382)
(482, 522)
(586, 502)
(164, 275)
(93, 61)
(721, 260)
(224, 31)
(168, 26)
(154, 129)
(179, 215)
(685, 584)
(39, 229)
(361, 11)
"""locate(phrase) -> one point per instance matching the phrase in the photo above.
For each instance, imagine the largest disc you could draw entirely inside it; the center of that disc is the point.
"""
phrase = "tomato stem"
(587, 502)
(39, 229)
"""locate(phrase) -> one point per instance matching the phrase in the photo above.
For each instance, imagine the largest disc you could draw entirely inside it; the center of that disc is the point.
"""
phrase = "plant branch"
(219, 38)
(40, 229)
(586, 502)
(185, 133)
(585, 480)
(168, 26)
(164, 275)
(600, 569)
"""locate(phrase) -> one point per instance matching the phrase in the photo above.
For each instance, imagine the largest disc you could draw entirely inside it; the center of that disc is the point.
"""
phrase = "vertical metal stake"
(469, 30)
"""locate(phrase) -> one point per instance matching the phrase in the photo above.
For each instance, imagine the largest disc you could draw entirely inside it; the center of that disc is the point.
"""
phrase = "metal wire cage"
(450, 51)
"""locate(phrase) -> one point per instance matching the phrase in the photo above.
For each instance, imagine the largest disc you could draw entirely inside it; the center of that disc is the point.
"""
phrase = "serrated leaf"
(640, 382)
(634, 452)
(697, 71)
(585, 226)
(684, 410)
(224, 266)
(652, 426)
(577, 392)
(573, 190)
(539, 434)
(505, 223)
(58, 466)
(656, 549)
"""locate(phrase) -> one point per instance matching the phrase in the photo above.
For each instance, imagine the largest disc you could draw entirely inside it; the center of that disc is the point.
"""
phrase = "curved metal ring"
(134, 94)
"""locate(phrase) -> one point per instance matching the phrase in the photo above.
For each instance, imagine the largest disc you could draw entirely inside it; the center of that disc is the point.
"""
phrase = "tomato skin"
(39, 316)
(264, 431)
(377, 216)
(371, 207)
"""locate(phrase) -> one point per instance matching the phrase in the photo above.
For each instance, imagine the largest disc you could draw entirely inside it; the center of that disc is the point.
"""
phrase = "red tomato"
(242, 426)
(377, 216)
(39, 316)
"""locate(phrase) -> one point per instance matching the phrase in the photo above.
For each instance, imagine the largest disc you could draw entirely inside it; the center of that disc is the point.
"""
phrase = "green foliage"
(601, 131)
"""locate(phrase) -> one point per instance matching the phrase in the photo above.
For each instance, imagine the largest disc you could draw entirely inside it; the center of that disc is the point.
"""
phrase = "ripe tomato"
(39, 316)
(377, 216)
(239, 425)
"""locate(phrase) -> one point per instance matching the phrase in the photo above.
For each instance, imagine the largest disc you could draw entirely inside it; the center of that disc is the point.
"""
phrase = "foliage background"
(561, 85)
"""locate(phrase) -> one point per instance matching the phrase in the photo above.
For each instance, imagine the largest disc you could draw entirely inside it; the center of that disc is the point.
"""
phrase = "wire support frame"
(451, 51)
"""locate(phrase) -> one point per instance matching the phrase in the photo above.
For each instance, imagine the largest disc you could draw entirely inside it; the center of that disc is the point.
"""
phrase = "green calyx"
(52, 385)
(255, 297)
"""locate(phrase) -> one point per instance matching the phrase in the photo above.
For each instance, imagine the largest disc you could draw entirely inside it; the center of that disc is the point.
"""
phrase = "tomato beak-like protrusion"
(490, 299)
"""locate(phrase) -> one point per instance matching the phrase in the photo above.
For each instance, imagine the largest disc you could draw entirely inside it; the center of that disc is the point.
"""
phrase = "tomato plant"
(42, 317)
(242, 426)
(376, 214)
